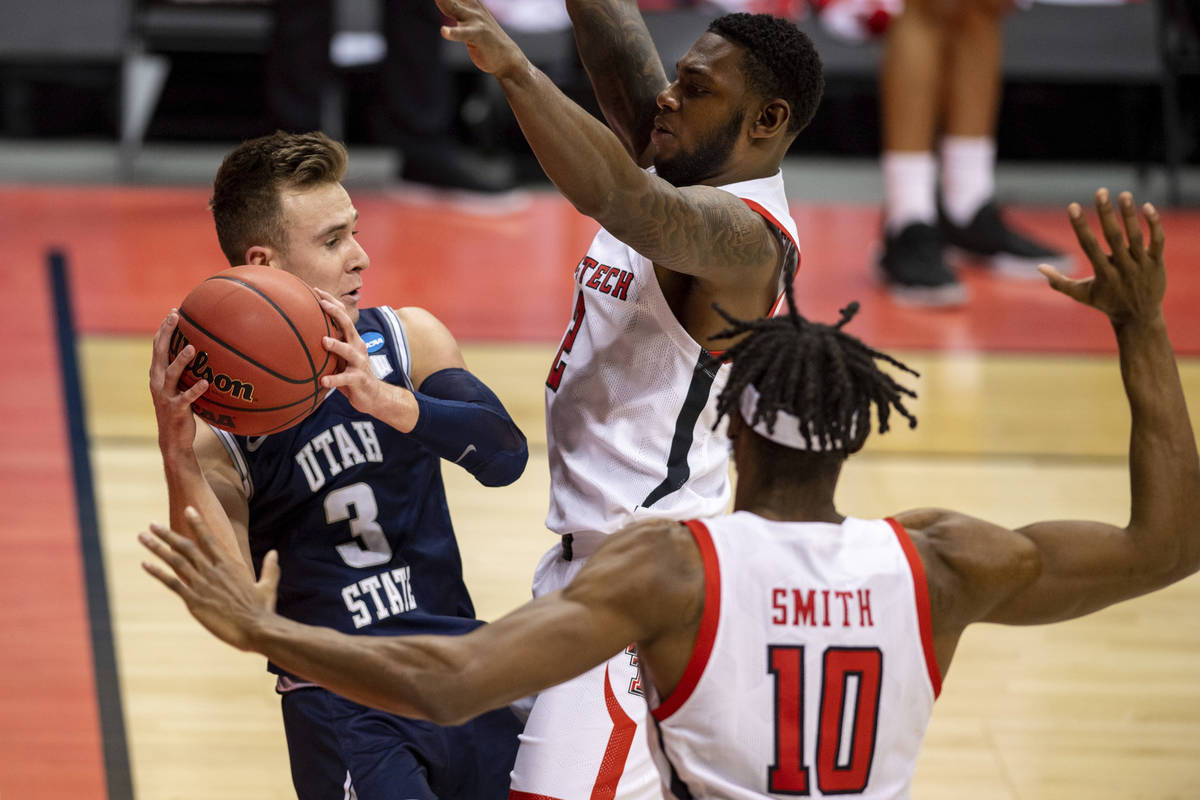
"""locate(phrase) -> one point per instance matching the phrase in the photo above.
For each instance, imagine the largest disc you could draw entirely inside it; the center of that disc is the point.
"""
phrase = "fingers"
(1087, 242)
(452, 9)
(1157, 237)
(162, 341)
(1108, 222)
(337, 312)
(193, 392)
(179, 553)
(338, 380)
(346, 352)
(1133, 229)
(1075, 289)
(268, 584)
(167, 579)
(203, 535)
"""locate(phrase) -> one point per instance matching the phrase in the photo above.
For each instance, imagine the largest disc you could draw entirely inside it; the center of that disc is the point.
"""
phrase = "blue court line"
(104, 664)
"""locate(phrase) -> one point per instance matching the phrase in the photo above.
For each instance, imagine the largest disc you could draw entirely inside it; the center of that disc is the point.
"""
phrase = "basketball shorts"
(585, 739)
(340, 750)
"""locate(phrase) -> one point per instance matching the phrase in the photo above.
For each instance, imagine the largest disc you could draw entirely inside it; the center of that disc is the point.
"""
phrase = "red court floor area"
(50, 744)
(500, 269)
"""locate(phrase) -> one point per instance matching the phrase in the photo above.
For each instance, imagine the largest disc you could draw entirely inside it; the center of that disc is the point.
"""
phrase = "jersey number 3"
(847, 719)
(560, 364)
(356, 503)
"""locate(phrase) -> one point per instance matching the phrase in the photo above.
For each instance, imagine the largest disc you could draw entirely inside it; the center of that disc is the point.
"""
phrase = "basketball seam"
(299, 339)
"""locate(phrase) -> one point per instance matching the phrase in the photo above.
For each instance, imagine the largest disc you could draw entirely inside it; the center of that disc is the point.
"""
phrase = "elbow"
(448, 701)
(1186, 560)
(444, 711)
(505, 467)
(1170, 561)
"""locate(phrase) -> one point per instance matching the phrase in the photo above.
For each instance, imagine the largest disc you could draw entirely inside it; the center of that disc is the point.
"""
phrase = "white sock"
(909, 189)
(968, 176)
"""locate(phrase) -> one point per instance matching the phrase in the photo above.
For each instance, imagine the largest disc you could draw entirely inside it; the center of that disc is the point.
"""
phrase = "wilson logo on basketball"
(216, 380)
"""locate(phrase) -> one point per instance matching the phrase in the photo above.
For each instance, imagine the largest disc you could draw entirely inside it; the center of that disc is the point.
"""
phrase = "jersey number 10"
(846, 720)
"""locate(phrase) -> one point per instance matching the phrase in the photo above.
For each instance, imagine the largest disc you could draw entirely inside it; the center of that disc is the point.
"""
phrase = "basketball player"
(688, 189)
(754, 628)
(352, 497)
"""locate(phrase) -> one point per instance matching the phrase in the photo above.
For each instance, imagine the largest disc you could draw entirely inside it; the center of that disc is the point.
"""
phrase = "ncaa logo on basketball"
(374, 341)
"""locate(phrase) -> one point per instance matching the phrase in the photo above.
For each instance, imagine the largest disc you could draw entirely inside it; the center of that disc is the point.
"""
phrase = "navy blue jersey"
(357, 512)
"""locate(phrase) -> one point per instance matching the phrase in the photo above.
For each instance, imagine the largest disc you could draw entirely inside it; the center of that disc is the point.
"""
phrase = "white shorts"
(585, 738)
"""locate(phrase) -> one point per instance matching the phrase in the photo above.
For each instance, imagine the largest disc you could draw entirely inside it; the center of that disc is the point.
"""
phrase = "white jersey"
(813, 672)
(630, 396)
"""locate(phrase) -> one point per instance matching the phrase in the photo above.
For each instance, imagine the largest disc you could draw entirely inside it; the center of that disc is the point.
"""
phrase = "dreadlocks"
(817, 373)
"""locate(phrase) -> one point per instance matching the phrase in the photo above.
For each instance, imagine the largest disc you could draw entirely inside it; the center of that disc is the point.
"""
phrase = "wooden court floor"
(1022, 418)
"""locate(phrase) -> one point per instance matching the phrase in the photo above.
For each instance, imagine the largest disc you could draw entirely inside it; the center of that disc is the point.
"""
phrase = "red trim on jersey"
(707, 635)
(921, 588)
(758, 209)
(612, 766)
(513, 794)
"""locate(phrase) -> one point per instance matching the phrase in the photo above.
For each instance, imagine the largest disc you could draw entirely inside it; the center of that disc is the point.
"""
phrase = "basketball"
(257, 332)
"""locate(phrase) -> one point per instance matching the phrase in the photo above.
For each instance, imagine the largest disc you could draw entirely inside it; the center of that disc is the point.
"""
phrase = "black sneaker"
(1006, 252)
(915, 269)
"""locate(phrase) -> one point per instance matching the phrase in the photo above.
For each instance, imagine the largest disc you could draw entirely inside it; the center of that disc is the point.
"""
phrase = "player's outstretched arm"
(623, 66)
(1051, 571)
(696, 230)
(629, 591)
(198, 471)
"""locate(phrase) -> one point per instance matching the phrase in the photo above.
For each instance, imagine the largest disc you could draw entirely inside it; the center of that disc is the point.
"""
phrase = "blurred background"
(1094, 83)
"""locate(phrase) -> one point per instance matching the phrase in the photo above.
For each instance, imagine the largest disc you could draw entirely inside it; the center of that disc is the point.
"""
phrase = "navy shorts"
(341, 750)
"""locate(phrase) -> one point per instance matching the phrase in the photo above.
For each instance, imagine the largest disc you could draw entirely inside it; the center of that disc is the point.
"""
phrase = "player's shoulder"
(953, 533)
(430, 342)
(965, 556)
(422, 327)
(653, 550)
(659, 537)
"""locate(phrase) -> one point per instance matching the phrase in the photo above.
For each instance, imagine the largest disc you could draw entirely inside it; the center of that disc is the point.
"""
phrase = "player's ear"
(772, 119)
(260, 255)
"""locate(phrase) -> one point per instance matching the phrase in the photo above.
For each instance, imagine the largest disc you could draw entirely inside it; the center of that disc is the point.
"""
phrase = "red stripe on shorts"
(619, 742)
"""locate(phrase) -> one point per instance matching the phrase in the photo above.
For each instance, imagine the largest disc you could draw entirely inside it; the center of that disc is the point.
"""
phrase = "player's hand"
(1129, 283)
(357, 381)
(489, 47)
(172, 407)
(217, 591)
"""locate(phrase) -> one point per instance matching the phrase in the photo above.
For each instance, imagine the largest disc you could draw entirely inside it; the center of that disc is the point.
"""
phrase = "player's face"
(700, 116)
(319, 244)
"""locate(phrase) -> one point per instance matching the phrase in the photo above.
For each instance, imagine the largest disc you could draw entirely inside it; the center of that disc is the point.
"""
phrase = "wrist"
(177, 454)
(518, 73)
(1133, 325)
(256, 632)
(400, 408)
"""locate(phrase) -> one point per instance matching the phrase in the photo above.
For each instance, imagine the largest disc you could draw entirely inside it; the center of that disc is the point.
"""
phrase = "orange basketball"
(257, 332)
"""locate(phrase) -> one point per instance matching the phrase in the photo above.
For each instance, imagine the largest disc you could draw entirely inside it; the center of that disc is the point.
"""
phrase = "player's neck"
(790, 501)
(745, 170)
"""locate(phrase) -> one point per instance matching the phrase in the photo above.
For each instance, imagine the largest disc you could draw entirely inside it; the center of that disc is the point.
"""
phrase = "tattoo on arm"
(623, 65)
(698, 231)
